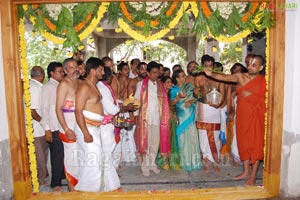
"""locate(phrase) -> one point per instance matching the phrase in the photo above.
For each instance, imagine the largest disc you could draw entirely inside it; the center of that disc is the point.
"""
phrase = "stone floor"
(132, 179)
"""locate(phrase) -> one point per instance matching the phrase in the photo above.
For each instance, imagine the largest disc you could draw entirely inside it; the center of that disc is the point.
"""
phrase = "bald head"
(37, 73)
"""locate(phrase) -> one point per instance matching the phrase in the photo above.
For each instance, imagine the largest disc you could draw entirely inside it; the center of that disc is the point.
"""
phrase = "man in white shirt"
(50, 123)
(152, 121)
(41, 147)
(133, 66)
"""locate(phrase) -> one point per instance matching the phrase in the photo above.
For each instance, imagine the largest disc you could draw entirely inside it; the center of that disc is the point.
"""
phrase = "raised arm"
(234, 78)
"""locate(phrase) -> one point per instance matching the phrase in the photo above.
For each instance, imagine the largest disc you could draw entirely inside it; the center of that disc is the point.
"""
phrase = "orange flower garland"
(152, 22)
(207, 12)
(250, 12)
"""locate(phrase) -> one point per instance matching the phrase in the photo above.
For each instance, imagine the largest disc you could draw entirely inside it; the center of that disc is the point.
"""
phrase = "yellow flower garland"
(58, 40)
(139, 37)
(28, 117)
(225, 38)
(267, 86)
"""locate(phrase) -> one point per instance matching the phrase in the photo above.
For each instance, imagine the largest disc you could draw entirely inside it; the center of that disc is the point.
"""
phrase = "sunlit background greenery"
(42, 52)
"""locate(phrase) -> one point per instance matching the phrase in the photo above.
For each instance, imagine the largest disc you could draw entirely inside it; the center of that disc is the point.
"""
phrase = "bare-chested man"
(65, 108)
(123, 70)
(142, 73)
(89, 116)
(108, 62)
(208, 118)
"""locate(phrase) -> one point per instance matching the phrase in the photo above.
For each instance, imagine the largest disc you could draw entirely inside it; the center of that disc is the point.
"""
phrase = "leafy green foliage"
(200, 25)
(41, 52)
(114, 11)
(232, 53)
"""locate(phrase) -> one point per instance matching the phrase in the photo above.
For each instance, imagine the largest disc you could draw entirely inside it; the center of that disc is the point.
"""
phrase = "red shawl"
(250, 117)
(141, 131)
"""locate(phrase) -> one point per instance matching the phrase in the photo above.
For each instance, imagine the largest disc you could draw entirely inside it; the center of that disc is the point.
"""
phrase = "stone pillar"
(290, 162)
(192, 46)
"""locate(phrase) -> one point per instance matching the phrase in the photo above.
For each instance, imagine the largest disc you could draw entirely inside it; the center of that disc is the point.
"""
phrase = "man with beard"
(65, 108)
(81, 69)
(142, 73)
(190, 70)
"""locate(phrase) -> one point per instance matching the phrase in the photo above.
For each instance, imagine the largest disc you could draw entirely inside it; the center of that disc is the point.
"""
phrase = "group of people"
(173, 126)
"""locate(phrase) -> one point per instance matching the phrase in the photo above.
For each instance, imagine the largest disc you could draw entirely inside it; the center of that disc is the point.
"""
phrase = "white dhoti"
(128, 144)
(90, 155)
(70, 147)
(234, 146)
(208, 122)
(111, 178)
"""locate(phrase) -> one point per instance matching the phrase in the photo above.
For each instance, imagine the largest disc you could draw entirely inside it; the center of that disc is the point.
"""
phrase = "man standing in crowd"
(153, 120)
(41, 147)
(65, 108)
(51, 125)
(89, 117)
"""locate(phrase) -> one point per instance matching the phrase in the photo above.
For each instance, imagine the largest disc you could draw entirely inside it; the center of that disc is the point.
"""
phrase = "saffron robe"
(250, 115)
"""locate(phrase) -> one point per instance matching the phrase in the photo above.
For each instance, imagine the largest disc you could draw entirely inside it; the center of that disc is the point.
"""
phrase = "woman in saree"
(181, 95)
(173, 161)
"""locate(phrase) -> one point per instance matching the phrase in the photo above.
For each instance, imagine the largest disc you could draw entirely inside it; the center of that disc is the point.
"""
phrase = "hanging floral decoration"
(145, 17)
(138, 35)
(267, 68)
(144, 21)
(66, 24)
(28, 117)
(231, 21)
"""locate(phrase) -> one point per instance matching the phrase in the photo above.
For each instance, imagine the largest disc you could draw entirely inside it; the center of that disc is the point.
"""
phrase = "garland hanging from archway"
(145, 21)
(66, 24)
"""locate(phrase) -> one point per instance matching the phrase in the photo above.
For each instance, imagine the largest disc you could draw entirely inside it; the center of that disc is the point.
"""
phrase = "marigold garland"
(155, 22)
(28, 117)
(241, 35)
(140, 37)
(267, 87)
(87, 31)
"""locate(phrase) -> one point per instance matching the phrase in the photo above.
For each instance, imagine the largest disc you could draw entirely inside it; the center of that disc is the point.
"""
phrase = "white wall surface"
(3, 113)
(290, 173)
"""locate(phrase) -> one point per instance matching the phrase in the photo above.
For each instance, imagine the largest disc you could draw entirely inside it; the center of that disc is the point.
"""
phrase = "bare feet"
(206, 165)
(251, 180)
(57, 189)
(206, 168)
(70, 187)
(241, 176)
(216, 168)
(118, 190)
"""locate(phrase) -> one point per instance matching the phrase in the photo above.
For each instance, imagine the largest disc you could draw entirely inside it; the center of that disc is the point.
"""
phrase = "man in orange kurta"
(251, 108)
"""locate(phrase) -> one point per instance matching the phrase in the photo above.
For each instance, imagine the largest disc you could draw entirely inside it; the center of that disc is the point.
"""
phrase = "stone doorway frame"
(15, 116)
